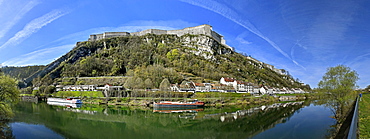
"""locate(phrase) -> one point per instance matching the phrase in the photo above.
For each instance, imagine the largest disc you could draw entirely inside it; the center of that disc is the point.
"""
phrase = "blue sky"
(305, 37)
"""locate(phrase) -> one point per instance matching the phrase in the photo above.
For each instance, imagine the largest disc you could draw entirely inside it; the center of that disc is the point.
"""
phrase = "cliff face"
(204, 46)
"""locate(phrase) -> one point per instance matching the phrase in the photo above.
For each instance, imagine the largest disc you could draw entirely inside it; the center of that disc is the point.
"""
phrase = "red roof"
(240, 82)
(229, 79)
(199, 84)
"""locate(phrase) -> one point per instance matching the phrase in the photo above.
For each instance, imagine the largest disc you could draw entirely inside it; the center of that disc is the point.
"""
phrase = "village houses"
(225, 85)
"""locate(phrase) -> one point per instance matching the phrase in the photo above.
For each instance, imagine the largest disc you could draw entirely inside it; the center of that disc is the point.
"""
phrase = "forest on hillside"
(156, 57)
(21, 72)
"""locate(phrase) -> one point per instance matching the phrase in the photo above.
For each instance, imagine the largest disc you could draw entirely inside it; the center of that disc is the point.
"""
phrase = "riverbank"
(364, 117)
(210, 99)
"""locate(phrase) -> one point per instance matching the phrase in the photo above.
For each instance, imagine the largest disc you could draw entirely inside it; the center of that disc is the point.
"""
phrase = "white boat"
(68, 105)
(195, 103)
(65, 100)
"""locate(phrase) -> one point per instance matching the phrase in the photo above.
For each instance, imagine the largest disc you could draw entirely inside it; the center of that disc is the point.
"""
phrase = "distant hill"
(155, 57)
(21, 72)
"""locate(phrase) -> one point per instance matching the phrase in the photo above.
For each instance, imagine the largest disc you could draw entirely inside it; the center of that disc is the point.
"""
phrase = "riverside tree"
(340, 83)
(8, 94)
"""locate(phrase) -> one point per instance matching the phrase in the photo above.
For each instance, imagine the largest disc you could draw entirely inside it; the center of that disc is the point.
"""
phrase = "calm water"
(291, 120)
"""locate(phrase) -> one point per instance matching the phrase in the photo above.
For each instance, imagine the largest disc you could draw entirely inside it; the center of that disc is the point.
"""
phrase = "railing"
(352, 134)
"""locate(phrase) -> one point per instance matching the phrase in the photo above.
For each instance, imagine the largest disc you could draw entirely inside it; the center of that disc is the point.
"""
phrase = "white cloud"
(132, 26)
(20, 13)
(33, 27)
(240, 39)
(330, 28)
(233, 16)
(39, 57)
(64, 44)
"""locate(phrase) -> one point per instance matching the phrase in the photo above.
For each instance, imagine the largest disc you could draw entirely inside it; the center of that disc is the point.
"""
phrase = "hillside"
(155, 57)
(21, 72)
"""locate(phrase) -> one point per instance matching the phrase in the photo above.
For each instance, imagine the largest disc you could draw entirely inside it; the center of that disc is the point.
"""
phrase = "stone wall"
(197, 30)
(104, 35)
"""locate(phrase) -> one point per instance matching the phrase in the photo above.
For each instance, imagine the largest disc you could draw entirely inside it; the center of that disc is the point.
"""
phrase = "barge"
(194, 103)
(65, 100)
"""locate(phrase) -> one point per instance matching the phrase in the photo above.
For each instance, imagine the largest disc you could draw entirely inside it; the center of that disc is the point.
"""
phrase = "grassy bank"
(364, 117)
(94, 94)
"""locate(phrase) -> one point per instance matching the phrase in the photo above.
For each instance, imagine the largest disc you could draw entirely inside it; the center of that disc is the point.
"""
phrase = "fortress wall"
(150, 31)
(96, 37)
(158, 32)
(202, 29)
(115, 34)
(218, 37)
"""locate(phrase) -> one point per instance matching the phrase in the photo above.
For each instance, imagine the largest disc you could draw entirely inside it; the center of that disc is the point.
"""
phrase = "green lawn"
(364, 117)
(94, 94)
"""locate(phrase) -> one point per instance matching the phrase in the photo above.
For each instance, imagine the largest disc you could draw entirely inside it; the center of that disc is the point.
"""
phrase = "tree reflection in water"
(5, 115)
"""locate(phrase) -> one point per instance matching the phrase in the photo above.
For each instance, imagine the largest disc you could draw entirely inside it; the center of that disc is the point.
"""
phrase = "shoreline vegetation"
(210, 98)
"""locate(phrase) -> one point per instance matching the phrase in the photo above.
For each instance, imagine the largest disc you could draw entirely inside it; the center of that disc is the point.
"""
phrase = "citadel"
(197, 30)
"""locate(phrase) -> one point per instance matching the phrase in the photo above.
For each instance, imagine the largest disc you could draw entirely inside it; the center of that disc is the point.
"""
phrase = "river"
(280, 120)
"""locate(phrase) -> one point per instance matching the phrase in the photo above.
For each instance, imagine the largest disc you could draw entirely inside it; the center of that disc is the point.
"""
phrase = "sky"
(304, 37)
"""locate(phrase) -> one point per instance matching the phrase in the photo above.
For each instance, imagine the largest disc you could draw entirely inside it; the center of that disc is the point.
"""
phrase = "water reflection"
(32, 131)
(93, 121)
(5, 130)
(176, 109)
(68, 105)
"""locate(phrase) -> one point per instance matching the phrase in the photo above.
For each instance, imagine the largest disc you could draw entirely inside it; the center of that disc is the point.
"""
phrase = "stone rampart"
(197, 30)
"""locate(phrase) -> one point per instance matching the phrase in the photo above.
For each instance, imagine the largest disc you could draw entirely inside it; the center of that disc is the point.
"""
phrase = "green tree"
(8, 94)
(49, 89)
(165, 85)
(340, 83)
(148, 84)
(367, 89)
(139, 83)
(129, 83)
(173, 54)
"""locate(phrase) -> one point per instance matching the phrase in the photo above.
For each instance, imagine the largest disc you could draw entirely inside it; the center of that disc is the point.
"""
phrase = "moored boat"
(177, 109)
(194, 103)
(65, 100)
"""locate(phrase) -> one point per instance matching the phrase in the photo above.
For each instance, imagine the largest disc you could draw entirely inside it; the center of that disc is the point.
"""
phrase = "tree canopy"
(8, 94)
(339, 81)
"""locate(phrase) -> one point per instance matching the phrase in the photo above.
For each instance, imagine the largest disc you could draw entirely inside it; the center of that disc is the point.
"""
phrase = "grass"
(95, 94)
(364, 117)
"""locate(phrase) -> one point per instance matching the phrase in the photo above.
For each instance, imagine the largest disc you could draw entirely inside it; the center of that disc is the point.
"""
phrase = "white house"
(108, 88)
(175, 88)
(262, 90)
(229, 82)
(199, 87)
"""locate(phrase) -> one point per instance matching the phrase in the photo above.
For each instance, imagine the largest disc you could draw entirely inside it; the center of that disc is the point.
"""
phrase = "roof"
(229, 79)
(199, 84)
